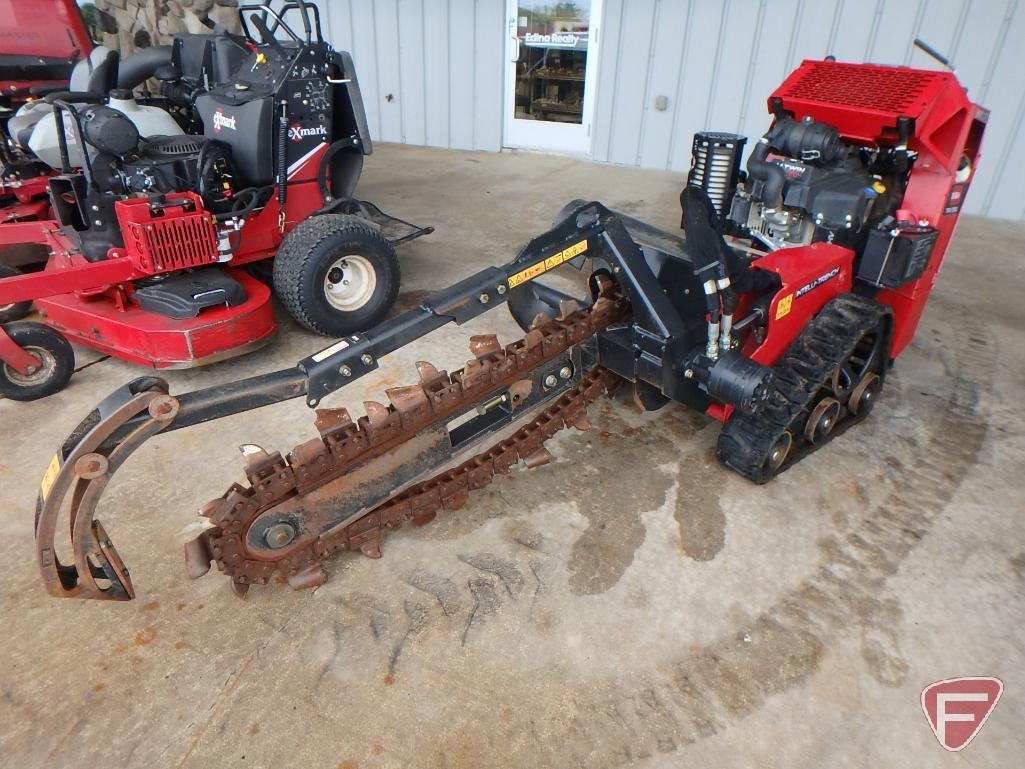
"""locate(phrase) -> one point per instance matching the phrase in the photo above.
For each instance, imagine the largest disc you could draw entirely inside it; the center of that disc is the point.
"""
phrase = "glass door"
(551, 66)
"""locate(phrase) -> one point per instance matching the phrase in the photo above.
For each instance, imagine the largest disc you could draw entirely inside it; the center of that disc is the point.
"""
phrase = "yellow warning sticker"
(550, 263)
(50, 476)
(784, 305)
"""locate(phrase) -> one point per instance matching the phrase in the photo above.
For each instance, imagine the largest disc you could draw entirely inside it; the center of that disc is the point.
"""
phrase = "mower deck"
(160, 342)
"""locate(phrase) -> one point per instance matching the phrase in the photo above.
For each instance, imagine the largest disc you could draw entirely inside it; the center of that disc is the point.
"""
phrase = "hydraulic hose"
(705, 247)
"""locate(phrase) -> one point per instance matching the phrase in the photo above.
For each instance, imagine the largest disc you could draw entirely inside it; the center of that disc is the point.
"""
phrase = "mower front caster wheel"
(336, 274)
(15, 310)
(57, 362)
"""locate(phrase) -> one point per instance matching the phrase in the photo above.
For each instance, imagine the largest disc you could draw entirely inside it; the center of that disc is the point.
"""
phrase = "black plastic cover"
(247, 128)
(894, 257)
(185, 294)
(836, 199)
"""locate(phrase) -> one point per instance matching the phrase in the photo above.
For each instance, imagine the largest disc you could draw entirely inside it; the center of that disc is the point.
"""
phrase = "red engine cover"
(863, 101)
(171, 238)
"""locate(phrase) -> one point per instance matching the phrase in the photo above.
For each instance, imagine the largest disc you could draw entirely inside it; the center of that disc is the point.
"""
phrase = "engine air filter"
(715, 167)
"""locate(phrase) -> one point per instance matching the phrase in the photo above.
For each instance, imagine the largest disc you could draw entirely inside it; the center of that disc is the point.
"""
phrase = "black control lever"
(267, 35)
(920, 43)
(305, 13)
(213, 26)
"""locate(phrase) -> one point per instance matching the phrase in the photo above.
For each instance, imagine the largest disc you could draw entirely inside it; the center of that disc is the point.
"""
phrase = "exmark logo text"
(223, 121)
(958, 707)
(297, 132)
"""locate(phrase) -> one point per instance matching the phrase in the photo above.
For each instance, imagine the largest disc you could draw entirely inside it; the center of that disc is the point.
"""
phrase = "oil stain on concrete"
(719, 683)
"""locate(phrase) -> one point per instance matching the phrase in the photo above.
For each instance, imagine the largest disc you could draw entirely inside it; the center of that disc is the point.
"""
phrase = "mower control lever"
(266, 35)
(212, 25)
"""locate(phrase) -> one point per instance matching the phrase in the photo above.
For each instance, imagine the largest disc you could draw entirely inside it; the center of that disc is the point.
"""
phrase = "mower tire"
(336, 274)
(16, 310)
(51, 348)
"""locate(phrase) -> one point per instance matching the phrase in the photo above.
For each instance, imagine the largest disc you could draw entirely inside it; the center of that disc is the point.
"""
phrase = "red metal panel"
(25, 190)
(172, 239)
(811, 276)
(53, 281)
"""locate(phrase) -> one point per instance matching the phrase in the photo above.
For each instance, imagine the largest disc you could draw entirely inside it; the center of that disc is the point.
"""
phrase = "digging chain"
(344, 444)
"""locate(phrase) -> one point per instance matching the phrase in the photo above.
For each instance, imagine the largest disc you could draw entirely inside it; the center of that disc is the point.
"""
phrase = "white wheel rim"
(350, 282)
(38, 377)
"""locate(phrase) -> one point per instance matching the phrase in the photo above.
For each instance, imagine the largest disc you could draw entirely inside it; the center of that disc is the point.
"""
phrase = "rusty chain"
(320, 465)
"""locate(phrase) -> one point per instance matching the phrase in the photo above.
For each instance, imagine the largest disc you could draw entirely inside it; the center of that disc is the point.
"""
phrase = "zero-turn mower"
(780, 312)
(160, 213)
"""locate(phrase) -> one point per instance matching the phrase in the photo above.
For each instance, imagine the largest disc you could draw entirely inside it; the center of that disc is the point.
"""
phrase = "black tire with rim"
(16, 310)
(336, 274)
(51, 348)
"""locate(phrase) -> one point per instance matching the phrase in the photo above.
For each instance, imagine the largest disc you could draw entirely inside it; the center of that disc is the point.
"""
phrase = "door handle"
(515, 38)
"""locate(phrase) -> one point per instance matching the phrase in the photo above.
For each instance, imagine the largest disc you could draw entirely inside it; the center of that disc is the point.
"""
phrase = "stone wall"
(128, 25)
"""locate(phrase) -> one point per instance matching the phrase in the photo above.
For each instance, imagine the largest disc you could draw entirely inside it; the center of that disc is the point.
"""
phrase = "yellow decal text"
(784, 305)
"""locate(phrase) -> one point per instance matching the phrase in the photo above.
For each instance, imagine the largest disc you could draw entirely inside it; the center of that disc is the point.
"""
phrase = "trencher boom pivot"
(798, 283)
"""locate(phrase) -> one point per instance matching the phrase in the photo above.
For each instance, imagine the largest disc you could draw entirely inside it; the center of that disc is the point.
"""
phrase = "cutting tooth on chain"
(582, 423)
(377, 413)
(371, 548)
(567, 307)
(253, 454)
(410, 401)
(484, 344)
(198, 556)
(427, 372)
(540, 320)
(533, 338)
(313, 575)
(540, 457)
(329, 420)
(603, 305)
(258, 462)
(239, 588)
(518, 391)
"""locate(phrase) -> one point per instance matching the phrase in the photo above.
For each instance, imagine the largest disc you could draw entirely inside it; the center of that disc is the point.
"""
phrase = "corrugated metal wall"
(441, 61)
(718, 61)
(430, 70)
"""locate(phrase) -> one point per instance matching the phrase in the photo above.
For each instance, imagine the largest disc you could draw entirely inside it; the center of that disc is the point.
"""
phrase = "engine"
(803, 184)
(127, 164)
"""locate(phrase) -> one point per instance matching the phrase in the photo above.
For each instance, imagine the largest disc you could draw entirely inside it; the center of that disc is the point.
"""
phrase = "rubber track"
(295, 251)
(801, 373)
